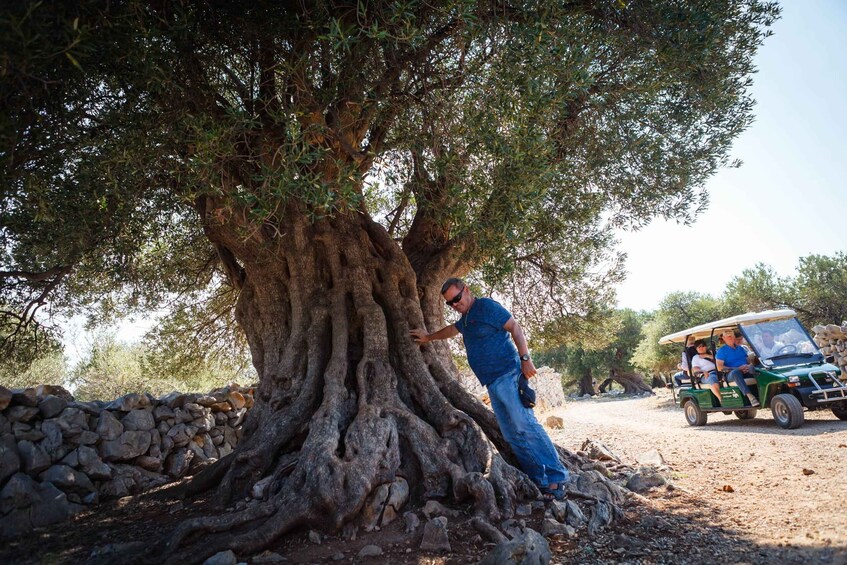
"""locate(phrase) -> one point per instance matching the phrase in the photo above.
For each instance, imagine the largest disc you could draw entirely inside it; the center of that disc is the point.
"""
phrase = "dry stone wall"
(832, 340)
(547, 383)
(59, 455)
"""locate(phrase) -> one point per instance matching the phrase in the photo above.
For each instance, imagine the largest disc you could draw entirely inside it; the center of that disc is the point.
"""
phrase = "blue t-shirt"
(491, 352)
(732, 357)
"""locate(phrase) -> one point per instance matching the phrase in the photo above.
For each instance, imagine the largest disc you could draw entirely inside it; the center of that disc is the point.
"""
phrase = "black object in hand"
(525, 392)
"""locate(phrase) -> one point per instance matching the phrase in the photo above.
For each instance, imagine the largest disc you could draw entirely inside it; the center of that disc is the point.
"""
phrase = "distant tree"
(33, 353)
(816, 293)
(820, 289)
(332, 163)
(110, 369)
(593, 360)
(758, 288)
(49, 367)
(677, 311)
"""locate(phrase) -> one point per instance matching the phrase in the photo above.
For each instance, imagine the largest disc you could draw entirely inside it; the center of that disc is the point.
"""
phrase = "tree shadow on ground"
(666, 526)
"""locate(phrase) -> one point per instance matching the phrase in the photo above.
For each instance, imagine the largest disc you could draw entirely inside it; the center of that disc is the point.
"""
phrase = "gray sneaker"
(753, 400)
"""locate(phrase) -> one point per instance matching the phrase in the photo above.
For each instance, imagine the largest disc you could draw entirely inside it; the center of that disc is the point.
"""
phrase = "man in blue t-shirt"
(489, 331)
(733, 358)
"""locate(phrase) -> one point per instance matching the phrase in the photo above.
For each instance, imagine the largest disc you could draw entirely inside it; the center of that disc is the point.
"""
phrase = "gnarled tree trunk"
(346, 400)
(632, 383)
(586, 384)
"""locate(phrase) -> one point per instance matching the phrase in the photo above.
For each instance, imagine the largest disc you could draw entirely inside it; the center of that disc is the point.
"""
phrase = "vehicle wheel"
(746, 414)
(787, 411)
(840, 410)
(693, 415)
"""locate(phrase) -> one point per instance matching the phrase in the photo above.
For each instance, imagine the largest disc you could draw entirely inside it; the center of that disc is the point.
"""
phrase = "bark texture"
(631, 382)
(346, 400)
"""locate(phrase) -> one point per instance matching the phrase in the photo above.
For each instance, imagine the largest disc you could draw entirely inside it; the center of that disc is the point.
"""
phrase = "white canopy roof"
(705, 330)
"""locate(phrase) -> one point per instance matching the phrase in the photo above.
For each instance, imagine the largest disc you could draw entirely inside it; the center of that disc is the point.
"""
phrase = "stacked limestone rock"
(832, 340)
(547, 384)
(58, 455)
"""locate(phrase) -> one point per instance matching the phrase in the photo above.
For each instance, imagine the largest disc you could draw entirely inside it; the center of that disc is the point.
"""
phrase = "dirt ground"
(740, 492)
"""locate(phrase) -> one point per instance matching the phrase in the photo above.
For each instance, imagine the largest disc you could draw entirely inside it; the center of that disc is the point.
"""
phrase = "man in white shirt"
(769, 347)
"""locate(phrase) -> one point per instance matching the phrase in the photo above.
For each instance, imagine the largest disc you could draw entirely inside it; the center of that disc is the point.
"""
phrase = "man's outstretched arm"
(422, 336)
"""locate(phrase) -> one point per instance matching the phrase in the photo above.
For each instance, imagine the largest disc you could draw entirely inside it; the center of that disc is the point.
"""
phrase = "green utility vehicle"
(790, 372)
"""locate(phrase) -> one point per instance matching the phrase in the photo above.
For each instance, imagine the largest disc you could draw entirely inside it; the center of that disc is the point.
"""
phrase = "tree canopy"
(323, 167)
(486, 137)
(816, 292)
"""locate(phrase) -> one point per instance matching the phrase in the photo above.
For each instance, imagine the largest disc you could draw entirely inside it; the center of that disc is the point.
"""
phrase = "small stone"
(109, 427)
(222, 558)
(52, 406)
(314, 537)
(551, 527)
(728, 488)
(236, 399)
(554, 423)
(435, 535)
(652, 457)
(808, 472)
(645, 479)
(267, 557)
(529, 547)
(10, 461)
(5, 397)
(433, 508)
(369, 551)
(336, 557)
(412, 521)
(597, 450)
(139, 420)
(524, 509)
(513, 528)
(25, 397)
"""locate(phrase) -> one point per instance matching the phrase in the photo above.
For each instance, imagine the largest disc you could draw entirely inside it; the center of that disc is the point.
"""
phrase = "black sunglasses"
(455, 299)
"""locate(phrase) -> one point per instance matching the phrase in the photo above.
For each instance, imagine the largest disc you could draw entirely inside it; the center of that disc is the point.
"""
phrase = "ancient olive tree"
(330, 163)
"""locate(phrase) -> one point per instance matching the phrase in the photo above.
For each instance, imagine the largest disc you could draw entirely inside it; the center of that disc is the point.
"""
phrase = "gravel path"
(744, 491)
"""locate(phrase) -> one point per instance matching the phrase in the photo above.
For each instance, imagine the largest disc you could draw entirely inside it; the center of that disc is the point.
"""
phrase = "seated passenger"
(684, 373)
(704, 364)
(769, 345)
(733, 358)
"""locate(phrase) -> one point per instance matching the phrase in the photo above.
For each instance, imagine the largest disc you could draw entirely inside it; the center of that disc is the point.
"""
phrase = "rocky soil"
(737, 492)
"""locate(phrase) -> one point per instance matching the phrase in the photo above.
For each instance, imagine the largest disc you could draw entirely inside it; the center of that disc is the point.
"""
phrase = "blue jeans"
(710, 379)
(737, 377)
(530, 443)
(679, 377)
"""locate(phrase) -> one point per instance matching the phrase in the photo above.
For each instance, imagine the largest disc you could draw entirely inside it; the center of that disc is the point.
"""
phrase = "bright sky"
(787, 200)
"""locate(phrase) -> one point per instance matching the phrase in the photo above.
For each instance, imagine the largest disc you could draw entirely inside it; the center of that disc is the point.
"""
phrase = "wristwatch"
(525, 357)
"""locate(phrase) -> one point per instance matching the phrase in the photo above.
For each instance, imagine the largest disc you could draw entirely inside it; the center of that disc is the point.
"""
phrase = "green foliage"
(111, 369)
(198, 342)
(816, 293)
(50, 368)
(623, 333)
(677, 311)
(504, 141)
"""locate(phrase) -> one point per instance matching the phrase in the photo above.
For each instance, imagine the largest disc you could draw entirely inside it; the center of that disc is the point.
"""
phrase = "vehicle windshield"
(781, 340)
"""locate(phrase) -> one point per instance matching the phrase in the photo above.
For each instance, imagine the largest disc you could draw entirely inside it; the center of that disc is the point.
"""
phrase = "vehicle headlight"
(795, 379)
